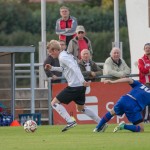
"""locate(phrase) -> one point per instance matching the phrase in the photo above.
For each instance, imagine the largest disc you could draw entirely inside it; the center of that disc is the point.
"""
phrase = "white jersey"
(70, 69)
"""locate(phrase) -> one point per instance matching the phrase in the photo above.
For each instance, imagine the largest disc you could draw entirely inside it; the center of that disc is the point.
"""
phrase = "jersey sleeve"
(73, 66)
(60, 69)
(142, 68)
(135, 83)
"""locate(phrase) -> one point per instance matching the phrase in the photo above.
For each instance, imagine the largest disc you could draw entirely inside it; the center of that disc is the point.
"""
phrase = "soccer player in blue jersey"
(75, 91)
(130, 104)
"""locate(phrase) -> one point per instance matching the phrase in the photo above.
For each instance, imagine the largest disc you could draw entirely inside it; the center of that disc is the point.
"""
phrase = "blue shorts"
(130, 107)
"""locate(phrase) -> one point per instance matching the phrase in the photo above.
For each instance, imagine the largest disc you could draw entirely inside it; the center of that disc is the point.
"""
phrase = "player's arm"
(52, 68)
(122, 80)
(58, 29)
(72, 30)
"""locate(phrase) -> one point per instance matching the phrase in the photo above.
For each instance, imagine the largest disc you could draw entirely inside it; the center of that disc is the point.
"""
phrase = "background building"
(138, 28)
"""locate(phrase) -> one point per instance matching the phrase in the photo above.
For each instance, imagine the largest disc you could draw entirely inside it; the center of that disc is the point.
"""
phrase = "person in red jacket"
(144, 76)
(66, 25)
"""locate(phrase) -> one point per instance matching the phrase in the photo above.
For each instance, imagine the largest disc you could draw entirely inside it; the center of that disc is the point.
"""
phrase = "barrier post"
(49, 102)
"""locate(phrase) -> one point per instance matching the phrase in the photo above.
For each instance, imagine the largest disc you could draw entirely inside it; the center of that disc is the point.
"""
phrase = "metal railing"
(25, 74)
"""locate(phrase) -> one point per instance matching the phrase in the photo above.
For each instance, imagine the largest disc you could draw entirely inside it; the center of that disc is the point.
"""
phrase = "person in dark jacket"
(89, 68)
(54, 62)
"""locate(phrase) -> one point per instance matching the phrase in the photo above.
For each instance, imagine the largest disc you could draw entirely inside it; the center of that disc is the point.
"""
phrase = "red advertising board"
(99, 96)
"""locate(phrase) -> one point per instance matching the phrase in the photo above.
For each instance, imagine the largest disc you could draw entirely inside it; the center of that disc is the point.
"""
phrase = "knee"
(112, 112)
(141, 125)
(54, 101)
(142, 129)
(80, 109)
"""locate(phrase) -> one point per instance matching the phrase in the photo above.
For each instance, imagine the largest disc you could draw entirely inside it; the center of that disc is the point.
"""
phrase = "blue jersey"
(141, 93)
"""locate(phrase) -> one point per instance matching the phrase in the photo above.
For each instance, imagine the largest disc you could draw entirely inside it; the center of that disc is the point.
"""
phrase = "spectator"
(144, 76)
(115, 66)
(54, 62)
(66, 25)
(80, 42)
(89, 68)
(62, 45)
(54, 74)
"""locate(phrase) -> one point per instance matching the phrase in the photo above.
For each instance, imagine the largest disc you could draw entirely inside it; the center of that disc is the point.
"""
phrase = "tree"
(93, 3)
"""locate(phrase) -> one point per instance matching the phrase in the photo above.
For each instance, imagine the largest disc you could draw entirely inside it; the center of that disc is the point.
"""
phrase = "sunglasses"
(80, 32)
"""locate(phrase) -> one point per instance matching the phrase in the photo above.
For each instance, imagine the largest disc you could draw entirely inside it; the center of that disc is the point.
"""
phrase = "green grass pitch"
(79, 138)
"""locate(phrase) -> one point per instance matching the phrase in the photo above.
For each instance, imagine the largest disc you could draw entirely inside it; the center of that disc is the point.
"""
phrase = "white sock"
(89, 112)
(63, 112)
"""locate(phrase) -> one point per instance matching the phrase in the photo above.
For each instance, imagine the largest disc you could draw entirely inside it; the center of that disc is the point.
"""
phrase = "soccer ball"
(30, 126)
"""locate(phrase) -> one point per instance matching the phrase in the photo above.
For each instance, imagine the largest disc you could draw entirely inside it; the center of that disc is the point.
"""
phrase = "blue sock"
(105, 119)
(132, 128)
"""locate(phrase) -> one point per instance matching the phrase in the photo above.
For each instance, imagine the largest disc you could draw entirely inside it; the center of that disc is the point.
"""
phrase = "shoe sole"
(66, 129)
(104, 128)
(116, 129)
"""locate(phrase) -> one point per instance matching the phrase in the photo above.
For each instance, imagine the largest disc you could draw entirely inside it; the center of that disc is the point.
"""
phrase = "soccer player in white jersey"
(75, 91)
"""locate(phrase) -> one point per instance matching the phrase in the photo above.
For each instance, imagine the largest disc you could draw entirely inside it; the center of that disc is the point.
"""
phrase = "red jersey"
(144, 67)
(82, 45)
(62, 25)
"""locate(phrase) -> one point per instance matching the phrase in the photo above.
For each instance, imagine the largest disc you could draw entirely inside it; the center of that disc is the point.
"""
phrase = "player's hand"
(48, 67)
(86, 84)
(107, 81)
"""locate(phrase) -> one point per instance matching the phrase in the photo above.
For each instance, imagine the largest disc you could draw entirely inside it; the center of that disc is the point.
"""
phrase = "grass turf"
(79, 138)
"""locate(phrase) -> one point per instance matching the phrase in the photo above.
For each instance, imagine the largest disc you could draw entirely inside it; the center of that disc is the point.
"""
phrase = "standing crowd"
(71, 57)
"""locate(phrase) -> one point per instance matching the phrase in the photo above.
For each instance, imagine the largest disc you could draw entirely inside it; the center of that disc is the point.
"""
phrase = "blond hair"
(53, 44)
(64, 7)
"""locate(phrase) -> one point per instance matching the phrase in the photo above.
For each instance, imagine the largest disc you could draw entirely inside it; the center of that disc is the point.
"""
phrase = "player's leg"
(133, 113)
(89, 112)
(65, 97)
(102, 124)
(61, 110)
(80, 104)
(64, 114)
(117, 110)
(134, 128)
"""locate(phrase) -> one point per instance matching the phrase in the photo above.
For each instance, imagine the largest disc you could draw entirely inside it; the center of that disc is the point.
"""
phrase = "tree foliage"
(20, 24)
(94, 3)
